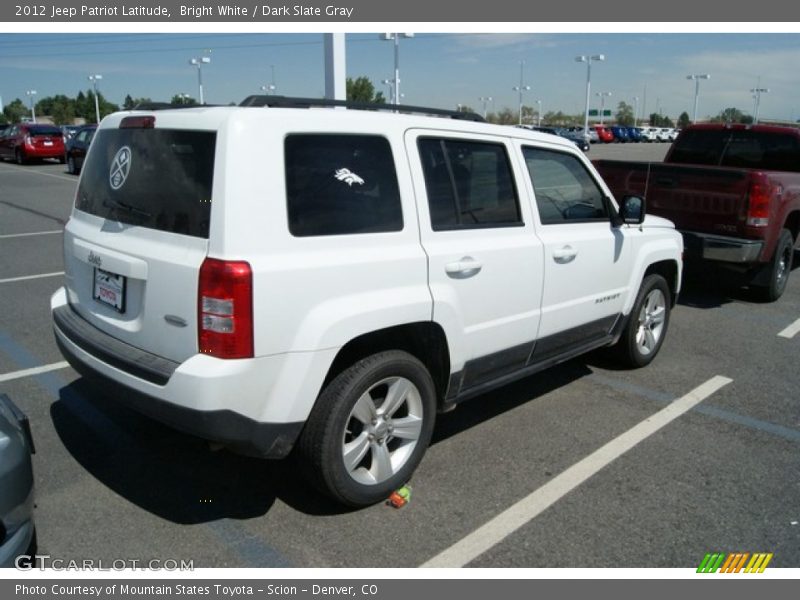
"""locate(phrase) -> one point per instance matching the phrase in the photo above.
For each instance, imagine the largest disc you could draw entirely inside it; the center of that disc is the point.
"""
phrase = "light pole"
(635, 110)
(31, 94)
(521, 87)
(94, 79)
(538, 113)
(199, 62)
(588, 60)
(603, 96)
(757, 96)
(697, 79)
(390, 84)
(485, 100)
(395, 37)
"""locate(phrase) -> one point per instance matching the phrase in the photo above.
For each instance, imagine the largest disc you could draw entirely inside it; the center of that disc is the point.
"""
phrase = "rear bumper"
(35, 152)
(721, 248)
(255, 406)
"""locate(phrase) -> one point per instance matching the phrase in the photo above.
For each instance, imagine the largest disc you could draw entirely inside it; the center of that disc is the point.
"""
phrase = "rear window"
(738, 148)
(155, 178)
(44, 131)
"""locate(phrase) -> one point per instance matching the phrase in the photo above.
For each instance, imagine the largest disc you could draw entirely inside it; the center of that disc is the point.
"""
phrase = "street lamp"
(395, 37)
(31, 94)
(521, 88)
(539, 113)
(588, 60)
(757, 97)
(485, 100)
(697, 79)
(183, 98)
(199, 62)
(602, 96)
(270, 87)
(94, 79)
(635, 110)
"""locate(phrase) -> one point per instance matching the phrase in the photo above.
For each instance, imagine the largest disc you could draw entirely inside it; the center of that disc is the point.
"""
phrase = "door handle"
(461, 269)
(564, 255)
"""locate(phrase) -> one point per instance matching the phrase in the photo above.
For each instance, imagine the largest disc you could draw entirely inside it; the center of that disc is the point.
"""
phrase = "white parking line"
(9, 169)
(507, 522)
(33, 371)
(26, 277)
(7, 236)
(791, 331)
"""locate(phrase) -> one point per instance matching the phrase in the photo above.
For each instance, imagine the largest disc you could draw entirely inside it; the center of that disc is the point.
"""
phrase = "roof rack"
(166, 106)
(290, 102)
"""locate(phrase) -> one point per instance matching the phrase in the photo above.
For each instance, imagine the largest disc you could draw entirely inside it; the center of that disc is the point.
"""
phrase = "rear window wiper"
(126, 207)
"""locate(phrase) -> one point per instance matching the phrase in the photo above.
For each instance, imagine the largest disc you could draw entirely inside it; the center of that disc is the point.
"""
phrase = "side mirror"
(632, 210)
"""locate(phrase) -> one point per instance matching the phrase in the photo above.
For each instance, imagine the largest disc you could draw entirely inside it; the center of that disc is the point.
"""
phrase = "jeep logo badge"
(120, 167)
(95, 260)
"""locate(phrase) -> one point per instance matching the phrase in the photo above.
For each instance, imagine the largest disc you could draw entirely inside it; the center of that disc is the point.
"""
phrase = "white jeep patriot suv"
(279, 276)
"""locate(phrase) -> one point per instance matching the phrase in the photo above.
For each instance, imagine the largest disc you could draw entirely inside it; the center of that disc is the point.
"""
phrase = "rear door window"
(340, 184)
(469, 184)
(155, 178)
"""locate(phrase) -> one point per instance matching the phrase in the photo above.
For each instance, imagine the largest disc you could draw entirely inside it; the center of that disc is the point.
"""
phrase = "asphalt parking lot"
(516, 473)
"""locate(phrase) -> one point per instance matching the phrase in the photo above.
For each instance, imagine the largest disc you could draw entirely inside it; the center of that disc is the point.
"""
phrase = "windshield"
(155, 178)
(738, 148)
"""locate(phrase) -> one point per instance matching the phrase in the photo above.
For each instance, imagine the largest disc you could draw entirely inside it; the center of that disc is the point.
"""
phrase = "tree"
(130, 103)
(506, 117)
(732, 115)
(183, 100)
(624, 114)
(362, 90)
(14, 111)
(657, 120)
(683, 120)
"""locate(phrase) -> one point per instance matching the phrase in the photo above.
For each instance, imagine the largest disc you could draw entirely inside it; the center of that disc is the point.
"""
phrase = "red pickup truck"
(734, 193)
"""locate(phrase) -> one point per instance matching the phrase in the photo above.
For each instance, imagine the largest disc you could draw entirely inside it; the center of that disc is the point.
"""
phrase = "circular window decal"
(120, 167)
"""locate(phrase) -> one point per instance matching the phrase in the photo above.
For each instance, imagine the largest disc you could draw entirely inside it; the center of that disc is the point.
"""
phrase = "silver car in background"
(17, 534)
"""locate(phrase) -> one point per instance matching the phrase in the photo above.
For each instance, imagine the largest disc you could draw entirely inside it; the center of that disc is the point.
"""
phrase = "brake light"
(138, 123)
(225, 309)
(758, 201)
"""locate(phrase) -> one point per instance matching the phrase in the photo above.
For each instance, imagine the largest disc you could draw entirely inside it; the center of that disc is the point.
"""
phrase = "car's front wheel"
(71, 168)
(370, 428)
(647, 325)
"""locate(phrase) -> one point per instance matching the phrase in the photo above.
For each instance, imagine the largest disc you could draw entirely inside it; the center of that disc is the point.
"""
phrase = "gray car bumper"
(721, 248)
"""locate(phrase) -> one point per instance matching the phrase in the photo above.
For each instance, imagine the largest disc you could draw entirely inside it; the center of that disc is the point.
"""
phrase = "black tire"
(71, 168)
(19, 156)
(646, 329)
(778, 269)
(333, 426)
(62, 160)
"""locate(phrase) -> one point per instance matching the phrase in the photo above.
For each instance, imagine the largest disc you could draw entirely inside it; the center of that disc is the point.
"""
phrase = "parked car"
(604, 133)
(70, 130)
(734, 193)
(650, 134)
(17, 532)
(28, 141)
(635, 134)
(620, 134)
(76, 148)
(576, 138)
(665, 134)
(360, 271)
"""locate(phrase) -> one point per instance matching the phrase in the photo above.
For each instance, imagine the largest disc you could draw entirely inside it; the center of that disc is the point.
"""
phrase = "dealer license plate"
(109, 288)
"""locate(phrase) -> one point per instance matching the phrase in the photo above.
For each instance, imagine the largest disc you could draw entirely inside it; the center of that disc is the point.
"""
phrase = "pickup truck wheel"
(779, 268)
(643, 335)
(369, 428)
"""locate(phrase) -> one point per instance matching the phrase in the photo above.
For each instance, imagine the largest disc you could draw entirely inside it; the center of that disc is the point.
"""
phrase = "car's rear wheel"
(647, 326)
(20, 157)
(71, 168)
(778, 269)
(369, 428)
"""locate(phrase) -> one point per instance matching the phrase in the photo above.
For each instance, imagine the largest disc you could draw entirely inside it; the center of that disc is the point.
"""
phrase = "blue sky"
(440, 70)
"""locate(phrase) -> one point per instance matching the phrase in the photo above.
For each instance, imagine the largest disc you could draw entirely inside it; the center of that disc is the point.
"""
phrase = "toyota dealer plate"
(109, 288)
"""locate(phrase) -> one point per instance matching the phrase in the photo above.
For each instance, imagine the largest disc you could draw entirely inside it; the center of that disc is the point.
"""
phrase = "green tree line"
(62, 109)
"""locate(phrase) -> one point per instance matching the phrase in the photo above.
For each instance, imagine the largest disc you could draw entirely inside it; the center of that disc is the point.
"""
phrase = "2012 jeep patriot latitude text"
(328, 280)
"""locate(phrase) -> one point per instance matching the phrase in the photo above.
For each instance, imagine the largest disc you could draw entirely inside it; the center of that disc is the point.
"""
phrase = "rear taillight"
(758, 201)
(225, 309)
